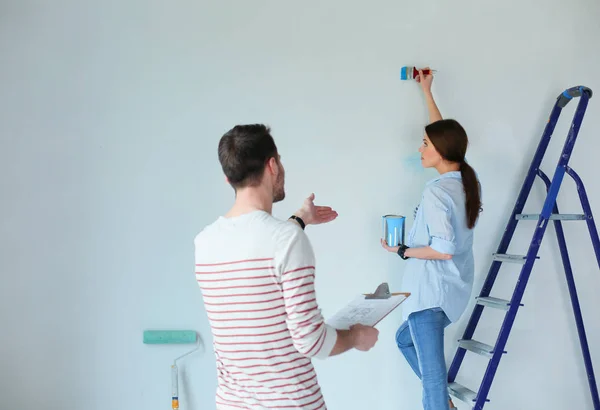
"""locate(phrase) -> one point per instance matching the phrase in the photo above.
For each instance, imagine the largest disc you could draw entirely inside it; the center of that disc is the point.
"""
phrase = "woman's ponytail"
(472, 193)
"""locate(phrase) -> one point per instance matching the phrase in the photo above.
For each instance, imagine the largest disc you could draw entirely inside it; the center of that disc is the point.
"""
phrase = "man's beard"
(279, 190)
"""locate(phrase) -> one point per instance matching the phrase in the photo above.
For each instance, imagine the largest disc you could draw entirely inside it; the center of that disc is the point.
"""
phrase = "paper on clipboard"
(366, 312)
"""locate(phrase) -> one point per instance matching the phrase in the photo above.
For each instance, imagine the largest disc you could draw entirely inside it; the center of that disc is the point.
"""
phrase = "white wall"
(110, 117)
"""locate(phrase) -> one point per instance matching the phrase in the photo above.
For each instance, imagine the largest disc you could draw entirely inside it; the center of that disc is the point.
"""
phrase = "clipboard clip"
(382, 292)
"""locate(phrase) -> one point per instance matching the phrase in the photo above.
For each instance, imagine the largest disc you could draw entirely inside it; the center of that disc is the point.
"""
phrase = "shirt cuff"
(442, 246)
(328, 343)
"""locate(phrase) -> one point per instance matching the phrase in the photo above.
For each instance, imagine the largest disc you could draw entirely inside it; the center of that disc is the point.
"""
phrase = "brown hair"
(243, 153)
(450, 140)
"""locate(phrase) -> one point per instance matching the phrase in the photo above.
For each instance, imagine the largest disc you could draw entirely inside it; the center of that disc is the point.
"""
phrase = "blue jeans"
(421, 341)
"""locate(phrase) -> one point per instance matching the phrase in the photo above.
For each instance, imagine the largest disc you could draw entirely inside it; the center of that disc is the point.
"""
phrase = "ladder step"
(461, 392)
(562, 217)
(477, 347)
(493, 302)
(503, 257)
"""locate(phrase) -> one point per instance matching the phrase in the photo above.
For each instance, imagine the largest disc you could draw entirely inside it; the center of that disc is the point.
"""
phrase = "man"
(256, 274)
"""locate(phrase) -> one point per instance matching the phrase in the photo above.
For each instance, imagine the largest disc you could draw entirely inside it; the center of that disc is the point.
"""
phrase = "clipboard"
(368, 309)
(383, 292)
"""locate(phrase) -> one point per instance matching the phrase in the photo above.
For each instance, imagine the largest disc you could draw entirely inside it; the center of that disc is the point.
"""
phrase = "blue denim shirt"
(440, 222)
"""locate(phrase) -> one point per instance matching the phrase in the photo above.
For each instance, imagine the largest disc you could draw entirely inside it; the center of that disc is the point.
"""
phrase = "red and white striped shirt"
(257, 274)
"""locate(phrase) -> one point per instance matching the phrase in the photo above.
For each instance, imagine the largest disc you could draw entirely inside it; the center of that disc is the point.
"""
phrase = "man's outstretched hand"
(312, 214)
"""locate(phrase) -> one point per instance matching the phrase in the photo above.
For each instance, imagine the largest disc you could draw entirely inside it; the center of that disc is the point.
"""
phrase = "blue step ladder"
(549, 212)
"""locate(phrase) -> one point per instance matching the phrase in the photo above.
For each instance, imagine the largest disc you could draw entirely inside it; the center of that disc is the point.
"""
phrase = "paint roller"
(161, 337)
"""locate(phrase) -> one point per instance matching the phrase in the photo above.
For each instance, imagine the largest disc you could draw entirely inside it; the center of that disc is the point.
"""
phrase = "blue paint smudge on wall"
(412, 162)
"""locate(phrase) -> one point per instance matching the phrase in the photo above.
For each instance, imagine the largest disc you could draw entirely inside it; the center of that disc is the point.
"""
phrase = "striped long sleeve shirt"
(256, 274)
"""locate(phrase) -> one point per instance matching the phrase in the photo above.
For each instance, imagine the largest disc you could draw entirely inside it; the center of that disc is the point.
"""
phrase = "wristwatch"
(401, 249)
(300, 221)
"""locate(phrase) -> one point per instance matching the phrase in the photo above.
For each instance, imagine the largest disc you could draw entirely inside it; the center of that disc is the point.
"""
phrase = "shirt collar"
(451, 174)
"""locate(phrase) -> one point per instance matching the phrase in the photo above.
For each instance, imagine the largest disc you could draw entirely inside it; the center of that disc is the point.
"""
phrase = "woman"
(439, 270)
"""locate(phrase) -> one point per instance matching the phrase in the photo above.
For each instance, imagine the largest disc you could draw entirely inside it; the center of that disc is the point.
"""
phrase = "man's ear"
(272, 166)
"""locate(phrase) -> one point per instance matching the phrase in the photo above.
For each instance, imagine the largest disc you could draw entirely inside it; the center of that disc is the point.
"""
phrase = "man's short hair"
(244, 152)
